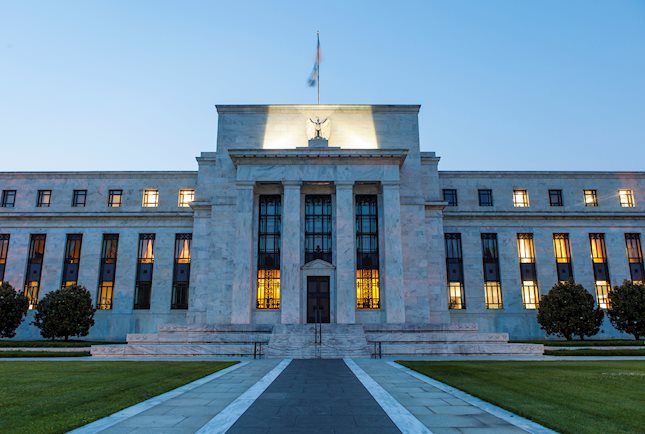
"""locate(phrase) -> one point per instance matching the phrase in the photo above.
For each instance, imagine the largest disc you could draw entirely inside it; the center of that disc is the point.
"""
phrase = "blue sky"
(504, 85)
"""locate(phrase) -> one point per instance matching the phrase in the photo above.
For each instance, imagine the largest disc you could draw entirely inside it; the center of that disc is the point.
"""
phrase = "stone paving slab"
(191, 410)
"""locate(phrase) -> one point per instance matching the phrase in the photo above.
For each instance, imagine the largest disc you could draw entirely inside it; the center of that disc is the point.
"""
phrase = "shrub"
(65, 312)
(13, 308)
(568, 310)
(627, 308)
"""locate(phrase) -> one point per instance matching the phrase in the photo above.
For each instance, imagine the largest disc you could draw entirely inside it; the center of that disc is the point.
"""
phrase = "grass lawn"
(52, 397)
(5, 343)
(567, 396)
(594, 352)
(18, 353)
(589, 343)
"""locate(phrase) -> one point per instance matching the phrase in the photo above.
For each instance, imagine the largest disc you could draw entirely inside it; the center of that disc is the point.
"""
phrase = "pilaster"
(291, 247)
(242, 283)
(393, 263)
(345, 254)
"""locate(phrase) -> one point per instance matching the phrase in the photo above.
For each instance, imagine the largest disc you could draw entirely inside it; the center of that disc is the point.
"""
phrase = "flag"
(313, 77)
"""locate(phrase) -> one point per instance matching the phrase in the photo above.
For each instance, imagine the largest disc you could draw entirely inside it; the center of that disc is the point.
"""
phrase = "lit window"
(150, 198)
(493, 295)
(456, 295)
(8, 198)
(114, 198)
(4, 249)
(367, 253)
(602, 293)
(528, 274)
(485, 197)
(186, 197)
(106, 295)
(107, 271)
(634, 257)
(530, 294)
(450, 196)
(268, 289)
(145, 261)
(555, 198)
(562, 251)
(490, 262)
(181, 272)
(626, 198)
(591, 197)
(44, 198)
(367, 289)
(34, 268)
(79, 198)
(600, 269)
(454, 271)
(520, 198)
(72, 260)
(269, 240)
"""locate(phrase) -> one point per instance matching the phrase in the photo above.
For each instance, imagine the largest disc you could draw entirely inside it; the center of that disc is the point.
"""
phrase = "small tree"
(627, 308)
(13, 308)
(568, 310)
(65, 312)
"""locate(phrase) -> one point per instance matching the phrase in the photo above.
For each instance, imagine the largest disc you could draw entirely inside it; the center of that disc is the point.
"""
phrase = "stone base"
(300, 341)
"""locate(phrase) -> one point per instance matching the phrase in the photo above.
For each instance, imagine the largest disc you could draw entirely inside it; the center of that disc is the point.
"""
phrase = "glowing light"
(626, 198)
(520, 198)
(186, 197)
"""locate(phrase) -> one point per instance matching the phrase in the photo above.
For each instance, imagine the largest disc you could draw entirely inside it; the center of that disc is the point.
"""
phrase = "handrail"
(378, 350)
(257, 350)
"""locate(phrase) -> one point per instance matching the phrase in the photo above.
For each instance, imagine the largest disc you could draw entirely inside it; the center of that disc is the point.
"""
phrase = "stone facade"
(266, 150)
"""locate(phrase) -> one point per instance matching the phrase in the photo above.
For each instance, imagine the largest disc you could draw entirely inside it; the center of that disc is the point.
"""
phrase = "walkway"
(315, 396)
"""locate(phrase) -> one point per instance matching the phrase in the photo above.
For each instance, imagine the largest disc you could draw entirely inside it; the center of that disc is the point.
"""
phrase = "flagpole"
(318, 55)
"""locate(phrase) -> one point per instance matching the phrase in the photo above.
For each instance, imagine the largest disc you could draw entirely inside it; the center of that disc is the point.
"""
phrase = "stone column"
(393, 258)
(290, 251)
(242, 283)
(345, 254)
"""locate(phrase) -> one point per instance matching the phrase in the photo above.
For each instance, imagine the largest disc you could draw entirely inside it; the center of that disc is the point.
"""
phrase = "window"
(555, 198)
(145, 263)
(600, 269)
(626, 198)
(269, 240)
(318, 228)
(4, 250)
(455, 271)
(528, 274)
(79, 197)
(450, 196)
(8, 198)
(186, 197)
(114, 198)
(485, 197)
(490, 260)
(34, 268)
(150, 198)
(634, 258)
(107, 271)
(591, 197)
(520, 198)
(368, 294)
(181, 271)
(44, 198)
(72, 260)
(562, 252)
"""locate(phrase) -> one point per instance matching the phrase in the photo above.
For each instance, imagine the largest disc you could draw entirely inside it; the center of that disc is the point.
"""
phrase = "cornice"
(94, 215)
(537, 174)
(541, 215)
(304, 155)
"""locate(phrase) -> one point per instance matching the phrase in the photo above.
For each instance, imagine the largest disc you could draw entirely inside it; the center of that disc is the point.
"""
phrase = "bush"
(13, 308)
(568, 310)
(627, 308)
(65, 312)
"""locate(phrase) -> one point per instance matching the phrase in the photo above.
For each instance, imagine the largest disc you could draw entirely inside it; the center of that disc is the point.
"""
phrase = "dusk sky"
(504, 85)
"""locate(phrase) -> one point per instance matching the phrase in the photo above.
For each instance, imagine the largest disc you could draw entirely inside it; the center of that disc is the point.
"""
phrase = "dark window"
(562, 251)
(600, 269)
(79, 197)
(485, 197)
(367, 253)
(145, 263)
(634, 257)
(72, 259)
(492, 282)
(455, 271)
(34, 268)
(8, 198)
(44, 198)
(4, 250)
(450, 196)
(181, 271)
(318, 228)
(114, 198)
(269, 227)
(107, 273)
(555, 198)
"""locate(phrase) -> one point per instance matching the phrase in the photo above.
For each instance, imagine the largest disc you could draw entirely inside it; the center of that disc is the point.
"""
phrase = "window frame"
(269, 249)
(481, 193)
(76, 195)
(181, 203)
(556, 193)
(368, 272)
(626, 198)
(453, 201)
(318, 215)
(146, 203)
(590, 197)
(40, 198)
(112, 193)
(6, 194)
(522, 193)
(109, 255)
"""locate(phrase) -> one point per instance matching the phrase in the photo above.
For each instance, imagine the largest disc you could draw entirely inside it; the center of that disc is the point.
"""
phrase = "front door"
(317, 299)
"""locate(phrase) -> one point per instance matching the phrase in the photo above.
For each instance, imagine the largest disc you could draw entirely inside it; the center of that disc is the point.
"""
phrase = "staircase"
(335, 341)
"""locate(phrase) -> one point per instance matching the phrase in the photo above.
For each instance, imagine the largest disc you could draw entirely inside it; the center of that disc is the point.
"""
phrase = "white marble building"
(274, 215)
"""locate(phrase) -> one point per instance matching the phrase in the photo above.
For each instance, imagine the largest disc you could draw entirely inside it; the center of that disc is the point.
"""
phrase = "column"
(345, 254)
(290, 251)
(393, 263)
(242, 284)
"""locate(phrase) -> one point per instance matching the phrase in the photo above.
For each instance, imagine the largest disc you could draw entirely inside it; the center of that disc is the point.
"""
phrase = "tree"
(13, 308)
(627, 308)
(65, 312)
(568, 310)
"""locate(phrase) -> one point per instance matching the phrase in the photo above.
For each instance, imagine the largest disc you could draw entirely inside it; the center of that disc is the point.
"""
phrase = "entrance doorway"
(317, 299)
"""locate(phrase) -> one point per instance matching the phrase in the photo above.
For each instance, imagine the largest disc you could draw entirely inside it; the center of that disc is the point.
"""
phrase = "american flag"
(313, 77)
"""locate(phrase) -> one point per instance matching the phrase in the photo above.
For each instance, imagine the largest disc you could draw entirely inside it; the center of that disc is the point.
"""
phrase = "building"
(319, 213)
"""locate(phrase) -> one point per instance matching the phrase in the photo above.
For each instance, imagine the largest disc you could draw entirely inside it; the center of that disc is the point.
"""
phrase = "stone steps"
(299, 341)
